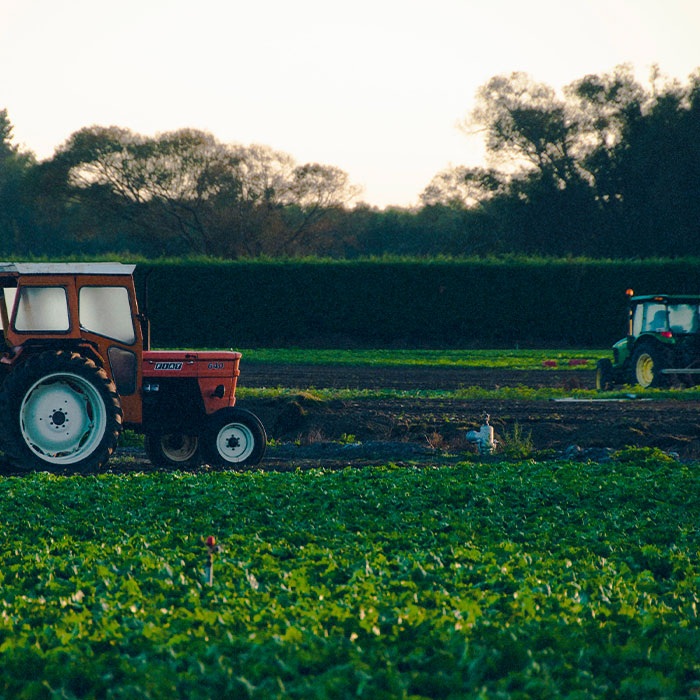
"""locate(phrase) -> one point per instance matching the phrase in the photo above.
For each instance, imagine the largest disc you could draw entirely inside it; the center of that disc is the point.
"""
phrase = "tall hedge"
(413, 303)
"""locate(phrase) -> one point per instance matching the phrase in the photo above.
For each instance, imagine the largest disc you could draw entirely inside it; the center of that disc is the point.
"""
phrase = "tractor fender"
(31, 348)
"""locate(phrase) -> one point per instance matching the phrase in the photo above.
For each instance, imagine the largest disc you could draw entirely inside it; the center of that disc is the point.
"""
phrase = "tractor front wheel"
(173, 449)
(646, 367)
(59, 410)
(234, 437)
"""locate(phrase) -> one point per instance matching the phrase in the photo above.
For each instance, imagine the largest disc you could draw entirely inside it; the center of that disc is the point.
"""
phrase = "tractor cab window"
(9, 294)
(649, 318)
(683, 318)
(7, 299)
(42, 309)
(107, 311)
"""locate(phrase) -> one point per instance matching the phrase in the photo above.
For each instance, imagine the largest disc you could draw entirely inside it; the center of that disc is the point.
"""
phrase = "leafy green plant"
(642, 455)
(346, 439)
(516, 443)
(129, 438)
(363, 302)
(486, 579)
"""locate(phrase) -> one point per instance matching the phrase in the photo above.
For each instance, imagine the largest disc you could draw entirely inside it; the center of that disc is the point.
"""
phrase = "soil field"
(409, 377)
(435, 423)
(309, 433)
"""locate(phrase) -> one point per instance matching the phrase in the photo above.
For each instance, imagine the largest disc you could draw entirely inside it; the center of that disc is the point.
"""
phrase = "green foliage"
(508, 303)
(520, 359)
(511, 393)
(15, 208)
(642, 455)
(406, 304)
(516, 444)
(608, 168)
(554, 580)
(129, 438)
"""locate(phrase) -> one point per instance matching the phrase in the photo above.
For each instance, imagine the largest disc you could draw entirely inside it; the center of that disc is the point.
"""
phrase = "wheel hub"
(178, 448)
(58, 418)
(235, 442)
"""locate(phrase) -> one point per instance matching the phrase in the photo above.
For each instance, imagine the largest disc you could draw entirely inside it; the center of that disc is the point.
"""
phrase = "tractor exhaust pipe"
(144, 315)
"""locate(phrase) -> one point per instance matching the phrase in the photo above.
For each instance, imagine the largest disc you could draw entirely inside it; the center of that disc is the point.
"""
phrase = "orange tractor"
(74, 373)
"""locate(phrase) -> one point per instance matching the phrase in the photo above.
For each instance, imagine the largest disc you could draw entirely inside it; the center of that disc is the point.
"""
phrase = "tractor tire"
(234, 437)
(59, 411)
(604, 375)
(173, 450)
(647, 364)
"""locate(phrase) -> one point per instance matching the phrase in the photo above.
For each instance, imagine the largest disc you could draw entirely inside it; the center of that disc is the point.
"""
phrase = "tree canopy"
(608, 167)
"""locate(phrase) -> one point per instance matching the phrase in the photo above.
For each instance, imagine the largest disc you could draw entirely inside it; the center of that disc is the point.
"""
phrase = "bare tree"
(527, 127)
(216, 199)
(463, 187)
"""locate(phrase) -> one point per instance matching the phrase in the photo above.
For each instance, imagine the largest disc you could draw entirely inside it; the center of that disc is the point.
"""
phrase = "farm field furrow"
(255, 374)
(668, 424)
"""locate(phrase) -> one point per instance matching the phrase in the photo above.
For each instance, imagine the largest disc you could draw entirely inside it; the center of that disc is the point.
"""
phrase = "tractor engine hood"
(190, 363)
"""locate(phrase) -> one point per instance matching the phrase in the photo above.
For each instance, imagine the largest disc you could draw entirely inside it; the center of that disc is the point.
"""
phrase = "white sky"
(375, 87)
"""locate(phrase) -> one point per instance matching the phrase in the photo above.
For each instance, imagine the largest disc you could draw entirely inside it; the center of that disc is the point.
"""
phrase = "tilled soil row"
(549, 425)
(410, 377)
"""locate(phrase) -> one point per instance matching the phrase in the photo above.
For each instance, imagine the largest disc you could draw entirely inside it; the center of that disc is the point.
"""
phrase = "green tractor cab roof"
(667, 298)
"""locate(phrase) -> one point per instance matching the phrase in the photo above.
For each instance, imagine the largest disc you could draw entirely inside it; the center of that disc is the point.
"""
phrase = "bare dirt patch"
(434, 423)
(409, 377)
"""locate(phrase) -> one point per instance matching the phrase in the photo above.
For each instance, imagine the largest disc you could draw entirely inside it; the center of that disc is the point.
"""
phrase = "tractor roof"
(667, 298)
(96, 268)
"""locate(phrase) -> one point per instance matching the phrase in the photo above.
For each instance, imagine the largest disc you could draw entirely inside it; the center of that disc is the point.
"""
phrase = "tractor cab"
(89, 308)
(662, 343)
(74, 372)
(664, 317)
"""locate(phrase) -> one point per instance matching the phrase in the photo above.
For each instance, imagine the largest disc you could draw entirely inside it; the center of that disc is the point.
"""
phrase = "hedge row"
(435, 303)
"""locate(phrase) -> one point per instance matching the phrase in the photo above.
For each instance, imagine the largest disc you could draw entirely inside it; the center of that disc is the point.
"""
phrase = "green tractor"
(662, 344)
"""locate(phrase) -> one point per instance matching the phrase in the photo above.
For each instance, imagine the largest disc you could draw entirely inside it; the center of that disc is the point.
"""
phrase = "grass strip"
(519, 393)
(492, 359)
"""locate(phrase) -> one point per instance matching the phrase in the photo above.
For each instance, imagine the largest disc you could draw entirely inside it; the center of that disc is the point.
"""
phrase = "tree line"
(609, 168)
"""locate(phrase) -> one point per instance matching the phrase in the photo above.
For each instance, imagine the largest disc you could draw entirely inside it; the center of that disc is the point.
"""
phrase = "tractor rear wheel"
(646, 367)
(173, 449)
(59, 410)
(234, 437)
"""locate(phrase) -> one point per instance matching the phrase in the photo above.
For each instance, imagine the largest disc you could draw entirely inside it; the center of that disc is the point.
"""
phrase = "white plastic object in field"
(483, 437)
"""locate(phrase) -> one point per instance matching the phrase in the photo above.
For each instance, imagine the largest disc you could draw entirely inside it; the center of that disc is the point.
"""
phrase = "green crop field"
(483, 580)
(492, 359)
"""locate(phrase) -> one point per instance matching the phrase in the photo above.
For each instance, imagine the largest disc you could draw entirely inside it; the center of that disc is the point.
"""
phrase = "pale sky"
(375, 87)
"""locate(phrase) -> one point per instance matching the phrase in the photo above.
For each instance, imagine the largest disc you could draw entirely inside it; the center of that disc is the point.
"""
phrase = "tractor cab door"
(108, 317)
